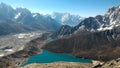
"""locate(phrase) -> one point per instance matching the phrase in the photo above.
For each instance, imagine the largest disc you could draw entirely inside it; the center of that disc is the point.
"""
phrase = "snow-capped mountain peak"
(111, 18)
(67, 18)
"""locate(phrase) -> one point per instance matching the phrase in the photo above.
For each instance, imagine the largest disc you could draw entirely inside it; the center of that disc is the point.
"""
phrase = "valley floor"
(16, 49)
(13, 43)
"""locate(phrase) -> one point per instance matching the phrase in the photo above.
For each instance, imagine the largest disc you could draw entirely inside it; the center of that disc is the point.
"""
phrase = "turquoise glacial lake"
(49, 57)
(51, 39)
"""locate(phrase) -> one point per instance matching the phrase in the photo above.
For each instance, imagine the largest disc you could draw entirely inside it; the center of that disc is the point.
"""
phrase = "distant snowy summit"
(67, 18)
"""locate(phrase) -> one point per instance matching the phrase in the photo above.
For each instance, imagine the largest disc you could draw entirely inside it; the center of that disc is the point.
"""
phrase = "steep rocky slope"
(112, 64)
(10, 27)
(103, 45)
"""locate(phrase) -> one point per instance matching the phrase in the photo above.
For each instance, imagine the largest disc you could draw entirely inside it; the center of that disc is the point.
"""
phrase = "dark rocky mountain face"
(12, 27)
(87, 24)
(23, 15)
(112, 17)
(90, 23)
(103, 45)
(23, 20)
(64, 30)
(6, 11)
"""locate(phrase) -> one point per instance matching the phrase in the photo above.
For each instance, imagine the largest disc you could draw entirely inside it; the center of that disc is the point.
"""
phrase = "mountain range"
(99, 23)
(67, 18)
(22, 20)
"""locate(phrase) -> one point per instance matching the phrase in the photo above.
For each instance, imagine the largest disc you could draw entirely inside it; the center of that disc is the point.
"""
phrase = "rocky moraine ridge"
(25, 46)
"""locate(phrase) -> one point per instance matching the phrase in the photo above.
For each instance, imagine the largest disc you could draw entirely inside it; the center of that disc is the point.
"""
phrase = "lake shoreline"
(59, 64)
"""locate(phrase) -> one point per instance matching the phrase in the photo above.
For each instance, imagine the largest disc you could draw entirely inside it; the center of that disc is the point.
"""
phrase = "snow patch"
(34, 15)
(17, 16)
(98, 22)
(21, 35)
(65, 17)
(119, 6)
(32, 35)
(82, 27)
(1, 55)
(106, 28)
(29, 35)
(111, 15)
(21, 48)
(10, 50)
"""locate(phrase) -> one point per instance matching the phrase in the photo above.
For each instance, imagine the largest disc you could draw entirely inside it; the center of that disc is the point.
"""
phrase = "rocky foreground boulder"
(112, 64)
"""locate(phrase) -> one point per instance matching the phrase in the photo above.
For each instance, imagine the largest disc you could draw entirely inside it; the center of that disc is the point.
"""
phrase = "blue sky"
(84, 8)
